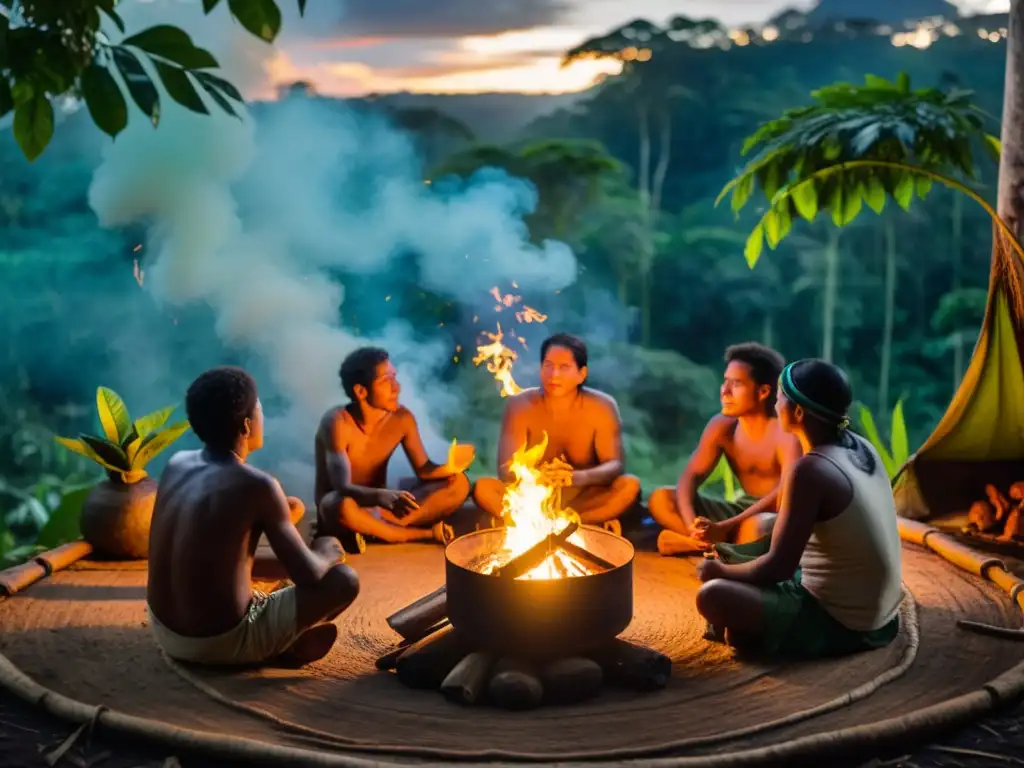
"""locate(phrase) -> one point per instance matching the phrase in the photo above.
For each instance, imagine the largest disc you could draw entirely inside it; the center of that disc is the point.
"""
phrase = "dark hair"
(828, 386)
(765, 366)
(574, 344)
(218, 402)
(360, 367)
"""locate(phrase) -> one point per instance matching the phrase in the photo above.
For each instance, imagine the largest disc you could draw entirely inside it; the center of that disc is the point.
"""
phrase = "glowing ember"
(532, 510)
(500, 360)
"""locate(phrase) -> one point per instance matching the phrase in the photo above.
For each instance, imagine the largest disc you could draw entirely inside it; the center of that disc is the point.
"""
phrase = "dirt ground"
(29, 737)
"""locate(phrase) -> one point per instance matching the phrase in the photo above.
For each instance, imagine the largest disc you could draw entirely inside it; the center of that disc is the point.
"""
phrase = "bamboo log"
(467, 680)
(516, 685)
(427, 662)
(634, 666)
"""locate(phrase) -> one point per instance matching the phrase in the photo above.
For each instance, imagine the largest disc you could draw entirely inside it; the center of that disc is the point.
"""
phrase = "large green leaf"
(140, 86)
(180, 88)
(900, 440)
(104, 100)
(871, 430)
(33, 125)
(173, 44)
(111, 454)
(63, 525)
(260, 17)
(152, 421)
(113, 413)
(156, 442)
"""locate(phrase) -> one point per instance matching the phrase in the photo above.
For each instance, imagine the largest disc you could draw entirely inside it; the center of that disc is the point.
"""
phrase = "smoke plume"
(254, 218)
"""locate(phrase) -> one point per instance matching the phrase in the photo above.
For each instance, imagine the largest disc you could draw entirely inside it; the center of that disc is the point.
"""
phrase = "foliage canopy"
(56, 49)
(857, 145)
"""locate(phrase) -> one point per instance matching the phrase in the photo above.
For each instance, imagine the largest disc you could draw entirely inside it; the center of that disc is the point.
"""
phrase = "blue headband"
(792, 392)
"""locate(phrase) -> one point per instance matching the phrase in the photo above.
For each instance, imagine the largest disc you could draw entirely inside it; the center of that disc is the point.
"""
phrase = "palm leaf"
(900, 440)
(871, 431)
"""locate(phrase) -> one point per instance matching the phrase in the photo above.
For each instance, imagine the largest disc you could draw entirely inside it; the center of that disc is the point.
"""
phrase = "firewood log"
(633, 666)
(537, 554)
(426, 663)
(585, 555)
(389, 659)
(468, 679)
(515, 685)
(567, 681)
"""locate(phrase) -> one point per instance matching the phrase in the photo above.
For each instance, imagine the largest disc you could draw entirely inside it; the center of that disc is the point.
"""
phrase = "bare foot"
(443, 533)
(312, 645)
(672, 543)
(613, 526)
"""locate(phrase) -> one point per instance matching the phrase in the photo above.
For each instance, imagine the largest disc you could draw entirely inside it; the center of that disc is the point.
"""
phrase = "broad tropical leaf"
(855, 145)
(153, 421)
(900, 441)
(871, 431)
(156, 442)
(110, 452)
(63, 525)
(113, 413)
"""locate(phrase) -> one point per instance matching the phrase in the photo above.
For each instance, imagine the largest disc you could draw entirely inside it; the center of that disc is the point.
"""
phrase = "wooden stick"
(427, 662)
(467, 681)
(416, 618)
(388, 660)
(586, 555)
(536, 554)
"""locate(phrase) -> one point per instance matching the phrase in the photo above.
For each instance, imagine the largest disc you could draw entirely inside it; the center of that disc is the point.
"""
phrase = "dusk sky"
(479, 45)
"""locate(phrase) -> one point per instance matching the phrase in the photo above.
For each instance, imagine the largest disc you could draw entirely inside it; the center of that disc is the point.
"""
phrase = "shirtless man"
(353, 446)
(584, 453)
(211, 510)
(759, 452)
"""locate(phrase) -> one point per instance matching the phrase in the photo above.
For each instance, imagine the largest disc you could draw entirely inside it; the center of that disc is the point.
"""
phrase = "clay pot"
(116, 517)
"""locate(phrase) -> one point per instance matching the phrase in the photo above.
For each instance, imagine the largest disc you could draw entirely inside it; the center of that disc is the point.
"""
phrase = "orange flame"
(500, 360)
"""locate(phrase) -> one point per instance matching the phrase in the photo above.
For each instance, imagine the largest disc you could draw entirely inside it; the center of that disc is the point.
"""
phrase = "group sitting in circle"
(805, 563)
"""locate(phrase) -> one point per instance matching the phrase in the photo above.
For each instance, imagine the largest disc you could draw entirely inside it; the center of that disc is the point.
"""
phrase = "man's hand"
(710, 532)
(460, 457)
(328, 548)
(399, 502)
(709, 568)
(557, 473)
(296, 509)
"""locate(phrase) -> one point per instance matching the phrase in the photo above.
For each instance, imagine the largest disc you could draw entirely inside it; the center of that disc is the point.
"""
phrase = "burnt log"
(515, 685)
(415, 619)
(570, 680)
(427, 662)
(586, 556)
(537, 554)
(467, 680)
(389, 659)
(633, 666)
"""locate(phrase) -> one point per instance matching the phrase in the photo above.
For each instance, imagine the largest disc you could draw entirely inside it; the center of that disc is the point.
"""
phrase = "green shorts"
(718, 510)
(797, 625)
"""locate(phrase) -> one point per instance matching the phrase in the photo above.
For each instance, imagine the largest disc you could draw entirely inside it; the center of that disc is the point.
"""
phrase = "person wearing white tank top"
(831, 582)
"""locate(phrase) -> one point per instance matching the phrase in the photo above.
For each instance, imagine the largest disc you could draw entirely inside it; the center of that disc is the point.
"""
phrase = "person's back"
(852, 562)
(211, 509)
(203, 545)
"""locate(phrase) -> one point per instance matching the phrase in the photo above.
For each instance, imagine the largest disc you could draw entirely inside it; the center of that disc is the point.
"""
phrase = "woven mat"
(83, 633)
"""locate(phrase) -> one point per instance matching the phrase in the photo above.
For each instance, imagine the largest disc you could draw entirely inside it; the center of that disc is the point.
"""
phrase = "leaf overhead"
(173, 44)
(852, 126)
(260, 17)
(104, 100)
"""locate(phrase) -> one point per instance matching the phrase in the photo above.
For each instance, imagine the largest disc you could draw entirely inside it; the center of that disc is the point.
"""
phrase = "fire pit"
(529, 612)
(577, 599)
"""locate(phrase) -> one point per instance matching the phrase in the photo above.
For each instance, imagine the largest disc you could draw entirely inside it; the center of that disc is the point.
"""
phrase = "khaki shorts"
(266, 631)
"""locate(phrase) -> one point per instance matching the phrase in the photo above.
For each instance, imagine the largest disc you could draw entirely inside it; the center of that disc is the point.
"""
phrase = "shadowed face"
(385, 389)
(740, 394)
(254, 439)
(559, 374)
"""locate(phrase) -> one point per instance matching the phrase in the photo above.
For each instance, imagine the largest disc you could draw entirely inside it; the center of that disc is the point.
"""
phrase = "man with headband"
(748, 435)
(830, 582)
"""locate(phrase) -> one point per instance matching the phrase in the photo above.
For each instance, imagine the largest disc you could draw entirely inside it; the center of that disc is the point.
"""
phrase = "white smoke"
(324, 188)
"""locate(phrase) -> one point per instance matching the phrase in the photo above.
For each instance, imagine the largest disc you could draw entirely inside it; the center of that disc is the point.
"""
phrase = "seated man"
(830, 584)
(759, 452)
(584, 453)
(353, 446)
(210, 512)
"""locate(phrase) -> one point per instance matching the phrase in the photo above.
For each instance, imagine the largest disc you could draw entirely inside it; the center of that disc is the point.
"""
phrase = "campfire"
(529, 612)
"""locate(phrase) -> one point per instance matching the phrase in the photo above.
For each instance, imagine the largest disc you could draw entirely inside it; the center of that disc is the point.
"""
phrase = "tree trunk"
(661, 169)
(645, 303)
(890, 312)
(644, 184)
(1010, 202)
(643, 181)
(828, 304)
(768, 329)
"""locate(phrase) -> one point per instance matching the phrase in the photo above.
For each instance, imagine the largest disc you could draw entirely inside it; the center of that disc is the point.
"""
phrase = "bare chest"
(570, 435)
(368, 453)
(752, 456)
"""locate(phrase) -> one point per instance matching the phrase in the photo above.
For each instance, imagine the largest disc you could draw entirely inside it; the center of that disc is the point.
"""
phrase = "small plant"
(897, 453)
(126, 446)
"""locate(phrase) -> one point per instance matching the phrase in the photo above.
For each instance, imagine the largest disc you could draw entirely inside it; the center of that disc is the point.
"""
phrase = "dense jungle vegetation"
(627, 175)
